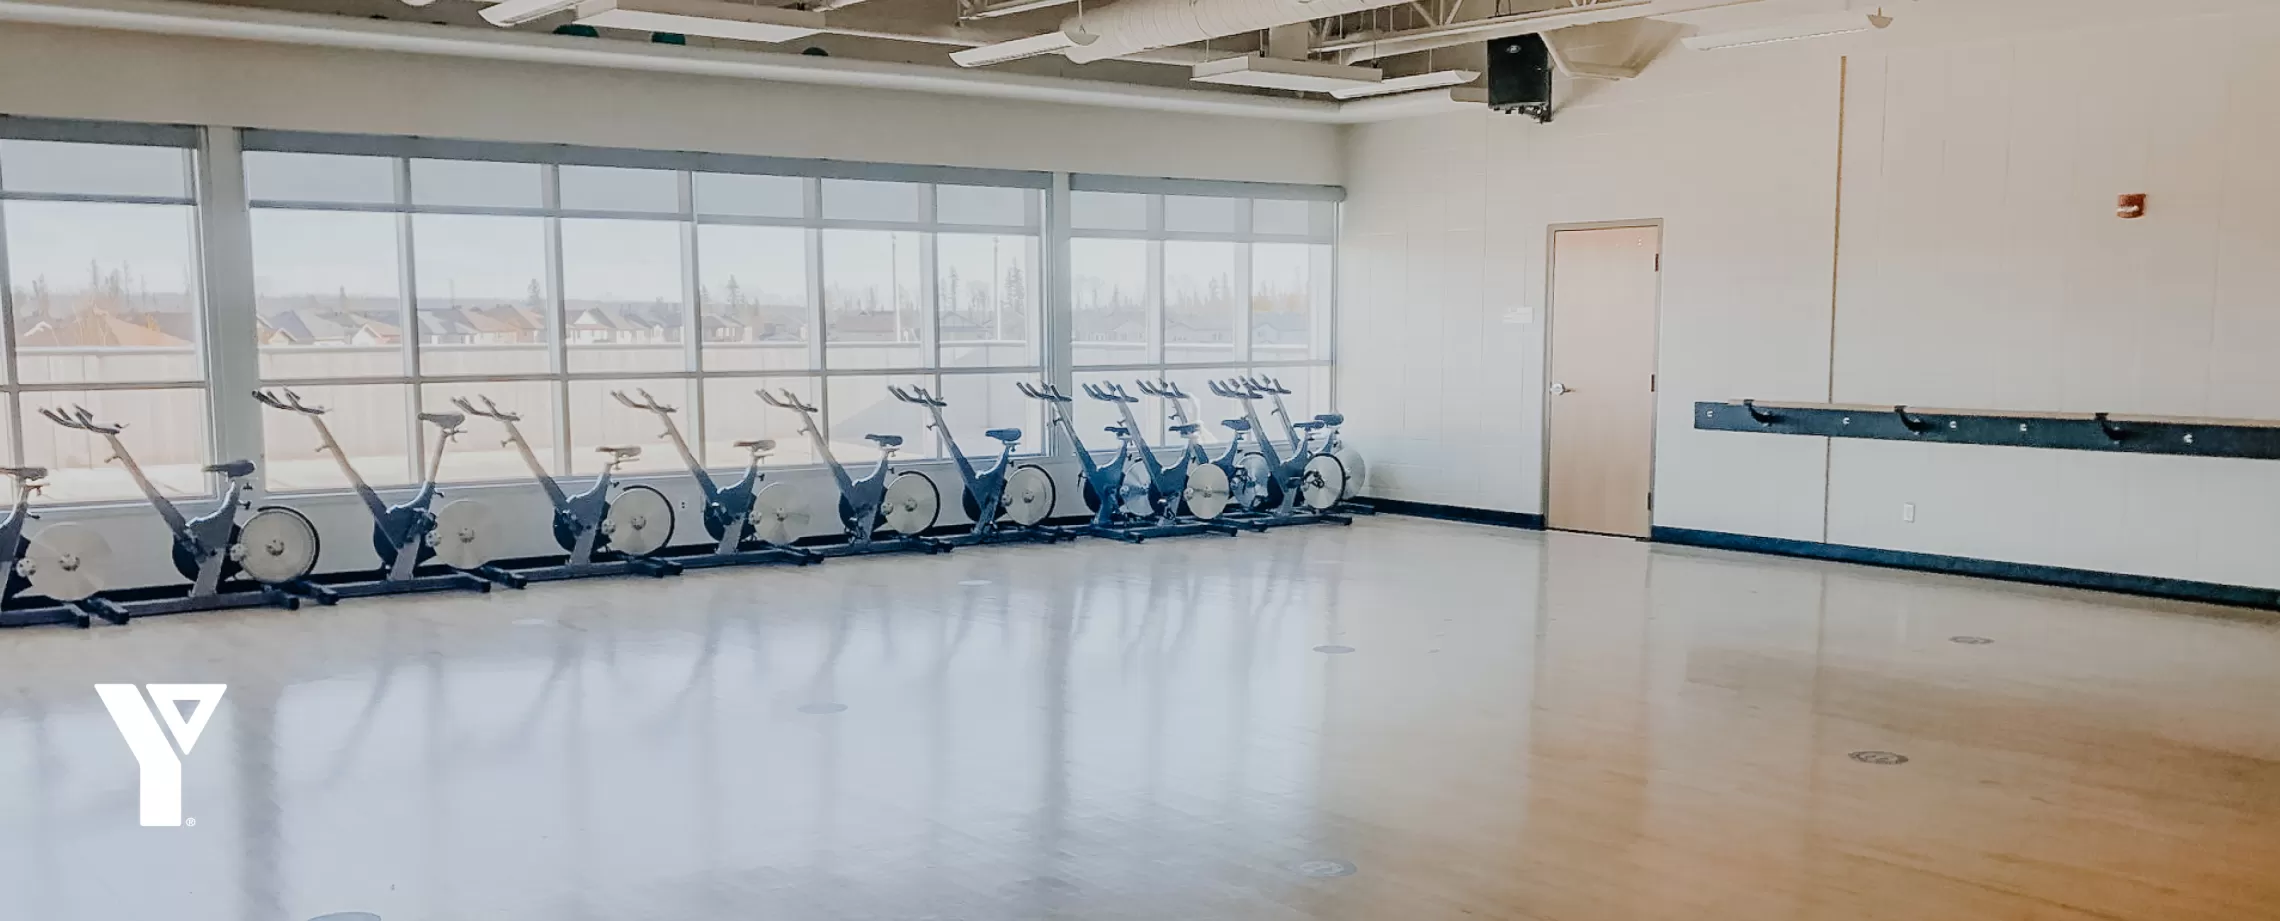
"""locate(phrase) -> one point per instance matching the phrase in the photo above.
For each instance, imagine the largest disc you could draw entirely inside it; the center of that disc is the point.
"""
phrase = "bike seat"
(1238, 425)
(236, 470)
(444, 420)
(1187, 429)
(25, 473)
(1009, 436)
(1331, 418)
(621, 452)
(887, 441)
(1308, 426)
(1116, 430)
(758, 444)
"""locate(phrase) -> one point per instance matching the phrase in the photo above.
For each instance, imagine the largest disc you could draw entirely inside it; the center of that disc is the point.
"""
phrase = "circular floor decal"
(1970, 640)
(1878, 758)
(1324, 869)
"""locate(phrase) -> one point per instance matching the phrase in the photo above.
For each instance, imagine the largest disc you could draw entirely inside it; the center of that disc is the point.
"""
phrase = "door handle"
(1559, 388)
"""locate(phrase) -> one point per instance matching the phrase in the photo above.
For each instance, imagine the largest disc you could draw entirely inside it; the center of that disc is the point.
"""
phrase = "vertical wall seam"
(1836, 260)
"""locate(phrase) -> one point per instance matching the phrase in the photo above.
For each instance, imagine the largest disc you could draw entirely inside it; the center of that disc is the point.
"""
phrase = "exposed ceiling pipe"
(1377, 46)
(1132, 26)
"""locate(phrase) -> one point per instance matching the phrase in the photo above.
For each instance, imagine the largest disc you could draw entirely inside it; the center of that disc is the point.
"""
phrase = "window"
(546, 286)
(99, 242)
(1191, 288)
(389, 277)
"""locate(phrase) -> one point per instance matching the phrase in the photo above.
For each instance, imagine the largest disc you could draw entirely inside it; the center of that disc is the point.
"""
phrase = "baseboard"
(1523, 520)
(2093, 580)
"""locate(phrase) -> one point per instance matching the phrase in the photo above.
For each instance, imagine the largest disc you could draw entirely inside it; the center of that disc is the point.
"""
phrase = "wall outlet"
(1908, 512)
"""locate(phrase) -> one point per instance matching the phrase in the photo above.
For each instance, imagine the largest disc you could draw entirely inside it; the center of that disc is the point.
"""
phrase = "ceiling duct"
(1130, 26)
(712, 18)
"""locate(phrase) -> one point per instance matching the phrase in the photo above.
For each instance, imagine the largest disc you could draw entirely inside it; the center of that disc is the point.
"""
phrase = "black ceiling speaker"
(1520, 76)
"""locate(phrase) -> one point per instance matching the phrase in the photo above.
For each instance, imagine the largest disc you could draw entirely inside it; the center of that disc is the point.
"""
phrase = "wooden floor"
(1527, 726)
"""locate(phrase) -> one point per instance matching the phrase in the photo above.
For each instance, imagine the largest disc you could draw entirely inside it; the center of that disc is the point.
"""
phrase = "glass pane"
(1200, 306)
(1202, 215)
(1109, 302)
(372, 422)
(482, 301)
(610, 188)
(871, 310)
(596, 419)
(325, 294)
(756, 196)
(476, 183)
(94, 169)
(864, 200)
(862, 406)
(981, 402)
(166, 432)
(104, 292)
(621, 290)
(480, 455)
(1093, 416)
(986, 297)
(969, 204)
(753, 290)
(1108, 211)
(1205, 408)
(1290, 301)
(1312, 218)
(274, 176)
(734, 412)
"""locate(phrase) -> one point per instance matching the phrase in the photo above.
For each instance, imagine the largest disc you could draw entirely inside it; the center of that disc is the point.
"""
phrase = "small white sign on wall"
(1520, 316)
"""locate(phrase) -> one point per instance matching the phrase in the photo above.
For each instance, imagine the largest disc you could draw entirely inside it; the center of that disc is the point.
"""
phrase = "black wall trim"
(1522, 520)
(2094, 580)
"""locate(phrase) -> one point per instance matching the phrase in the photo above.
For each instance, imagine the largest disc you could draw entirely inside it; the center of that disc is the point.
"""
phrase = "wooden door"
(1601, 416)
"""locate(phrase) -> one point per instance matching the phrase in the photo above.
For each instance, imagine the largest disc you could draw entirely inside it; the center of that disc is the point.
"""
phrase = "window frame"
(222, 273)
(187, 141)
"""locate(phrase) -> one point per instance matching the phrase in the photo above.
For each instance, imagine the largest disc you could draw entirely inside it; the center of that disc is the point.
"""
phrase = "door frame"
(1544, 384)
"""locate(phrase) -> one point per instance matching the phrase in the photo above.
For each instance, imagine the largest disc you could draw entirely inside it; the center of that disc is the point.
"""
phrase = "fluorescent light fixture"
(1793, 30)
(1017, 6)
(713, 18)
(1280, 74)
(517, 12)
(1033, 46)
(1425, 81)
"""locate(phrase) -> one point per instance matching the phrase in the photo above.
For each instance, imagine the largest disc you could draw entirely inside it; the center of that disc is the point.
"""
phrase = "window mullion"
(223, 260)
(557, 340)
(408, 310)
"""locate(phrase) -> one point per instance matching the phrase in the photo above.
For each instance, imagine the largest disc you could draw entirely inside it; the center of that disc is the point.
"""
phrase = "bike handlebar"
(917, 395)
(79, 418)
(489, 410)
(1046, 392)
(290, 402)
(785, 400)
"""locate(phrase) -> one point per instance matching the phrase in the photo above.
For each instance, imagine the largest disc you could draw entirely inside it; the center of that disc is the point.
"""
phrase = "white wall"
(71, 73)
(1981, 266)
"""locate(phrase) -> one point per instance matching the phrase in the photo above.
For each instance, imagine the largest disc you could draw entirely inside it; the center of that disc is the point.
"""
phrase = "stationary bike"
(64, 572)
(905, 503)
(273, 546)
(1349, 460)
(1103, 483)
(1165, 489)
(604, 536)
(405, 534)
(1023, 495)
(1208, 490)
(1314, 477)
(729, 510)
